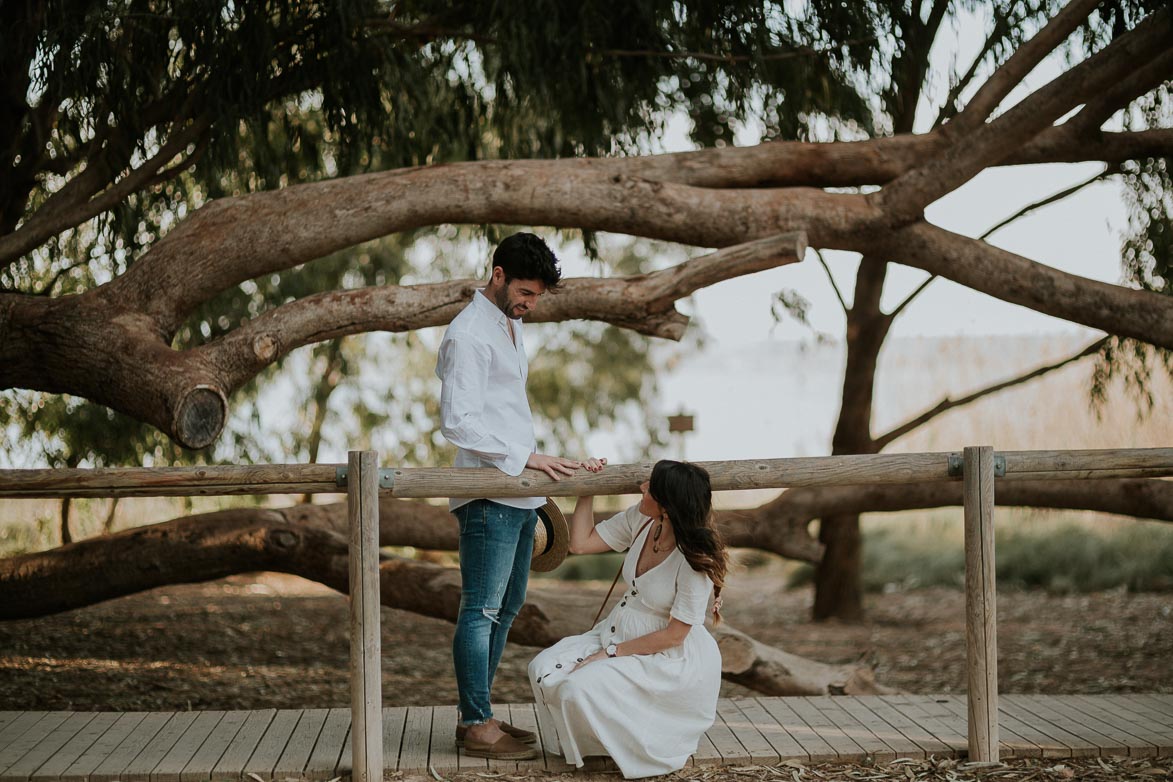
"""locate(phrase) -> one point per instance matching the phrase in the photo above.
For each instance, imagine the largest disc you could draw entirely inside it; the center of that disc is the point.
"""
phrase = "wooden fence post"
(981, 617)
(366, 681)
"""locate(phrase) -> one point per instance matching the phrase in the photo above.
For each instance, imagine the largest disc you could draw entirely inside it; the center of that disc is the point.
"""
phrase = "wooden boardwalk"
(315, 743)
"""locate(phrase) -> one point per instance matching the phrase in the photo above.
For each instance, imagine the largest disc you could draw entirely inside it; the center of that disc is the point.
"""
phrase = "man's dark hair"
(525, 256)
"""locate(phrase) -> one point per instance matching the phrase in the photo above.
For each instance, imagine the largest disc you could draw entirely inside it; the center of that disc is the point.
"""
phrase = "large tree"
(176, 172)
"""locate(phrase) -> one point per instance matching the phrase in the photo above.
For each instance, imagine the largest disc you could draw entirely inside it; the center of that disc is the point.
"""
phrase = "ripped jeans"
(496, 542)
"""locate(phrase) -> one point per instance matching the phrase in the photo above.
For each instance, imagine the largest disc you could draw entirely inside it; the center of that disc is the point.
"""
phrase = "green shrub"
(1064, 557)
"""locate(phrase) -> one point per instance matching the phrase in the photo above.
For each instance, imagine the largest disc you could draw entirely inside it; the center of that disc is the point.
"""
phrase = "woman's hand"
(599, 655)
(594, 465)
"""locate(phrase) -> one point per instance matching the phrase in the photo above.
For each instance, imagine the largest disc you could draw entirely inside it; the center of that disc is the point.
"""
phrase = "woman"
(642, 685)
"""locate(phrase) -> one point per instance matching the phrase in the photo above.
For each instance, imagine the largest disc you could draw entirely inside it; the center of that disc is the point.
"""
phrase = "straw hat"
(551, 538)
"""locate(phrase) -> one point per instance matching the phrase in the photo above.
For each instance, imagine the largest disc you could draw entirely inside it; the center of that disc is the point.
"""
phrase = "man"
(485, 413)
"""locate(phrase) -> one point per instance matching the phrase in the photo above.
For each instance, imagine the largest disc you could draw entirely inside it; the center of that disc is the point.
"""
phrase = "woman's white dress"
(647, 712)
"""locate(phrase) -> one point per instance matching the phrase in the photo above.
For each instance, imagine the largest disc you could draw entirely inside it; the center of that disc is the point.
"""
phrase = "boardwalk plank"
(1138, 723)
(1015, 738)
(956, 745)
(272, 744)
(76, 746)
(759, 748)
(328, 748)
(16, 728)
(442, 754)
(785, 745)
(1139, 705)
(7, 718)
(200, 766)
(301, 743)
(28, 734)
(232, 763)
(139, 769)
(706, 753)
(726, 743)
(1132, 729)
(417, 734)
(1109, 738)
(313, 744)
(128, 749)
(101, 749)
(171, 765)
(1162, 702)
(394, 723)
(817, 750)
(48, 746)
(394, 718)
(937, 707)
(873, 746)
(902, 746)
(1052, 725)
(551, 749)
(840, 742)
(522, 715)
(921, 737)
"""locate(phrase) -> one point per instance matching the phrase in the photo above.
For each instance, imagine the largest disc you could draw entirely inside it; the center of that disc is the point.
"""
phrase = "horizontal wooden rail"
(420, 482)
(1102, 463)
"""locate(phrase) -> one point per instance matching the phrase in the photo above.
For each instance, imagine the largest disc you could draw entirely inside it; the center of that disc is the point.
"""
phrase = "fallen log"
(296, 540)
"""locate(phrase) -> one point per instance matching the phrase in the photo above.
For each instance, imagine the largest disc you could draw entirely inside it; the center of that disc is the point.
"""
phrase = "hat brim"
(556, 540)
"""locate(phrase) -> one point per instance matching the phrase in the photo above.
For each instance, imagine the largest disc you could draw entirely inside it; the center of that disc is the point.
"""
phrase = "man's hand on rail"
(554, 466)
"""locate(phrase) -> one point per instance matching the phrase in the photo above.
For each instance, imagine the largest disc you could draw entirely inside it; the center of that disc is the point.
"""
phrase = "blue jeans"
(496, 542)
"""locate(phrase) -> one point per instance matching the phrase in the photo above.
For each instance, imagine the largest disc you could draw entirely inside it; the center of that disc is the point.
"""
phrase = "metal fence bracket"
(956, 467)
(386, 478)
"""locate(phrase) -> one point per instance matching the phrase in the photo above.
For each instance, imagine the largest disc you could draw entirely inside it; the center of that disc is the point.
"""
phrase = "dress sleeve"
(693, 589)
(620, 530)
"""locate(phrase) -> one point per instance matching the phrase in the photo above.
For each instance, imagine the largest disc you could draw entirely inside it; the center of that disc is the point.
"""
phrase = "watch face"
(611, 650)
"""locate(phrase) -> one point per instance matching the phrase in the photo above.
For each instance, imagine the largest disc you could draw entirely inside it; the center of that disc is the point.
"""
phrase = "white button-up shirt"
(484, 410)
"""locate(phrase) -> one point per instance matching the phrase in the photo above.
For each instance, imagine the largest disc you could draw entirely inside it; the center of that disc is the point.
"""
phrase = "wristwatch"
(612, 650)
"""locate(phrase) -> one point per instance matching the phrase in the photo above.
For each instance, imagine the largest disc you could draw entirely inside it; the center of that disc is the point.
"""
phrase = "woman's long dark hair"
(684, 492)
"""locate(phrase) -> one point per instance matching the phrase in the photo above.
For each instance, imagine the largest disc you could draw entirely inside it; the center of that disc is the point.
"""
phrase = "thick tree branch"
(1100, 107)
(118, 334)
(1021, 63)
(1004, 275)
(947, 404)
(1142, 498)
(1059, 145)
(644, 303)
(236, 239)
(202, 548)
(852, 164)
(905, 198)
(94, 347)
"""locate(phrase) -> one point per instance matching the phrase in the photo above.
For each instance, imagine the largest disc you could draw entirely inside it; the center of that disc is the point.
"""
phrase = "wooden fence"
(979, 467)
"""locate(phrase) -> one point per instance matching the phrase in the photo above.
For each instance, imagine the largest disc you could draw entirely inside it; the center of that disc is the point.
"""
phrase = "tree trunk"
(838, 577)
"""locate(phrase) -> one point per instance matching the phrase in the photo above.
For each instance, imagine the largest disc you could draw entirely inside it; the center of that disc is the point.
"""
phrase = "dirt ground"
(273, 641)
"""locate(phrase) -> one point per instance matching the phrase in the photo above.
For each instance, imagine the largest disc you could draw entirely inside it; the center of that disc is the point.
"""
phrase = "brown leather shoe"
(524, 736)
(504, 748)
